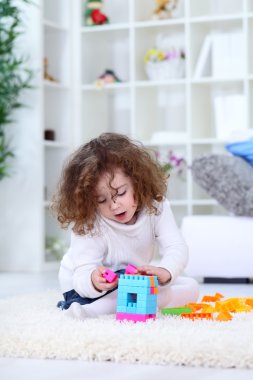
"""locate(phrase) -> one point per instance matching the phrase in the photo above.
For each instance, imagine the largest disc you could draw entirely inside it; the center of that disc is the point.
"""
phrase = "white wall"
(21, 194)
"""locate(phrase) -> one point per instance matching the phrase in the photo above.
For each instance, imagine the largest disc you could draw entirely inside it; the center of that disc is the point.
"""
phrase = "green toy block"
(175, 310)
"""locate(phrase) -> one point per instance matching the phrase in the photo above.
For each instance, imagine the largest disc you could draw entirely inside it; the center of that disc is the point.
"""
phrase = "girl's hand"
(163, 275)
(99, 282)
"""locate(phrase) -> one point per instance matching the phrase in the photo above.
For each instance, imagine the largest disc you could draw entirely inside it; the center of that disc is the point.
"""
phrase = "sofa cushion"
(228, 179)
(242, 149)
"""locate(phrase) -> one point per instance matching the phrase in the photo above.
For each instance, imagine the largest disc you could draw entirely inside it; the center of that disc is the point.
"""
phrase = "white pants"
(184, 290)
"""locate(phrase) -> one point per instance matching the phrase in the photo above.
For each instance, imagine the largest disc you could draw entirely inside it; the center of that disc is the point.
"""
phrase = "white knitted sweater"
(116, 245)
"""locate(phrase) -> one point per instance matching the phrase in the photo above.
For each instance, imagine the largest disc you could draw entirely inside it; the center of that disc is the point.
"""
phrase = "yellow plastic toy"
(212, 305)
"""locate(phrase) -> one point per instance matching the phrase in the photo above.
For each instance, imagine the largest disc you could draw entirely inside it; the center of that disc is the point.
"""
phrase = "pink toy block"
(134, 317)
(109, 275)
(130, 269)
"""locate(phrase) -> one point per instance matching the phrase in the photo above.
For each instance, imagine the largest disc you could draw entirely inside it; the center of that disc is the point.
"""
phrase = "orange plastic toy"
(197, 315)
(210, 305)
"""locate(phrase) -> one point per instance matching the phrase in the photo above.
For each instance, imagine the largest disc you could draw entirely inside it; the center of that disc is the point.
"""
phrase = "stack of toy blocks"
(137, 297)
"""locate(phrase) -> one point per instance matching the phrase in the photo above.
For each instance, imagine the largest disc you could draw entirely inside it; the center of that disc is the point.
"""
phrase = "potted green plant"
(14, 75)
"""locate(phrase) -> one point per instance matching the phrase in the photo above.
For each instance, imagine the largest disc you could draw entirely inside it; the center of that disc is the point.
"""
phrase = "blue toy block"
(121, 309)
(121, 302)
(129, 289)
(136, 295)
(134, 280)
(144, 290)
(146, 310)
(131, 310)
(144, 296)
(122, 296)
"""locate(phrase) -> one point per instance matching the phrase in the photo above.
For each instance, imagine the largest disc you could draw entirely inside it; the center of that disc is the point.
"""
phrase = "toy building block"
(137, 298)
(209, 299)
(224, 316)
(219, 295)
(175, 310)
(249, 301)
(232, 304)
(131, 269)
(208, 309)
(224, 308)
(194, 316)
(196, 306)
(109, 275)
(134, 317)
(214, 298)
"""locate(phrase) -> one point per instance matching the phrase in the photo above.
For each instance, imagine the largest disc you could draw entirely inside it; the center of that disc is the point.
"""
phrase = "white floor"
(13, 284)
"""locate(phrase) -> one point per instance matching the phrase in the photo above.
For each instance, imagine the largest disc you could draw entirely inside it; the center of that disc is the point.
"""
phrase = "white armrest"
(219, 246)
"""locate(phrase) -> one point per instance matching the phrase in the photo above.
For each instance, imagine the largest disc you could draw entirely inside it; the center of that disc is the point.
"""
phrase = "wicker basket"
(165, 70)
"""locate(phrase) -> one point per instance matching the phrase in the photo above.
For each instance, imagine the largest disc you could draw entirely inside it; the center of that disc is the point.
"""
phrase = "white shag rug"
(32, 327)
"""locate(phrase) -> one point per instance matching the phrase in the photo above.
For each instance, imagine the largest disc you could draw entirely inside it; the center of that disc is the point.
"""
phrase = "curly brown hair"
(75, 202)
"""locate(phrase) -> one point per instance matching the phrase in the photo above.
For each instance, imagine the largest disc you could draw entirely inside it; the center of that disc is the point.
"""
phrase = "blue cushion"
(242, 149)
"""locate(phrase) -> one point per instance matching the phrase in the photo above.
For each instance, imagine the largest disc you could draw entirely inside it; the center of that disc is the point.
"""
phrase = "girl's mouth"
(121, 215)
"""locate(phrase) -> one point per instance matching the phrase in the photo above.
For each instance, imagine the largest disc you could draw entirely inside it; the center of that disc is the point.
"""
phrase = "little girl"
(112, 193)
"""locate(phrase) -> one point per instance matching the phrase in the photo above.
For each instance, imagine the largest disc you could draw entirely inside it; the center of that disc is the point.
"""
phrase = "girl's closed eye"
(101, 200)
(121, 194)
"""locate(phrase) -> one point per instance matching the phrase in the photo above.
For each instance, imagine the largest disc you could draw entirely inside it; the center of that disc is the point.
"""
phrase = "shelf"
(55, 26)
(151, 83)
(203, 202)
(216, 18)
(183, 202)
(137, 84)
(218, 80)
(207, 141)
(55, 85)
(57, 95)
(106, 87)
(160, 23)
(104, 28)
(56, 144)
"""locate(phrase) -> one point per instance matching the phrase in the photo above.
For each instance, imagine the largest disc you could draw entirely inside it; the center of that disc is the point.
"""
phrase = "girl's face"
(116, 200)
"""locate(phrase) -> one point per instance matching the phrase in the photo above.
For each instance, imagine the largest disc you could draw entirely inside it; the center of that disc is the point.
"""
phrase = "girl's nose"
(114, 203)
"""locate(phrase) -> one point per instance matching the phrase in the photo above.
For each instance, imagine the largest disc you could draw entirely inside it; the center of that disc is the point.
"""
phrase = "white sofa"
(219, 246)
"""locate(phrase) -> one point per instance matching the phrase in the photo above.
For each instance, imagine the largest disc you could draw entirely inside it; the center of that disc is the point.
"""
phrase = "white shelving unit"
(137, 106)
(57, 113)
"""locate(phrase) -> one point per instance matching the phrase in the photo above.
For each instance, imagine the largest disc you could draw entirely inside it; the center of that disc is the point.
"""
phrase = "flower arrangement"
(167, 59)
(173, 163)
(157, 55)
(162, 65)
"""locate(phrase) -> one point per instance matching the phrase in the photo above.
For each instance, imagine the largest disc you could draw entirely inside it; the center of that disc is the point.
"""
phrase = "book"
(227, 54)
(203, 66)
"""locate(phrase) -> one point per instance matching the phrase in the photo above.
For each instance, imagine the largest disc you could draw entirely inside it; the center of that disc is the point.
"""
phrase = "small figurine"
(46, 75)
(93, 14)
(106, 78)
(164, 9)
